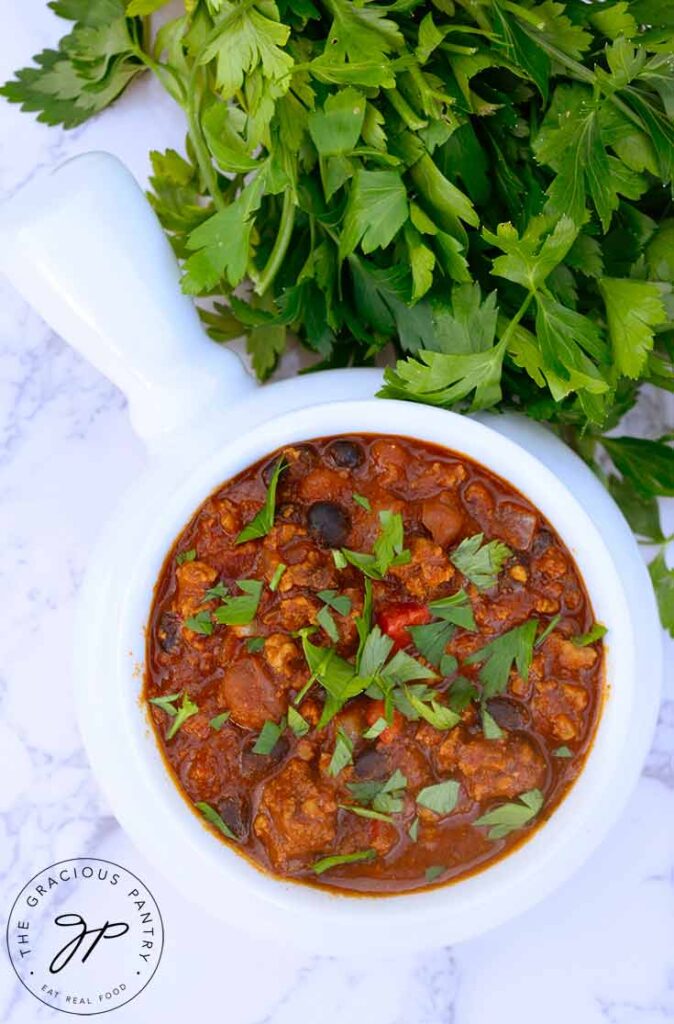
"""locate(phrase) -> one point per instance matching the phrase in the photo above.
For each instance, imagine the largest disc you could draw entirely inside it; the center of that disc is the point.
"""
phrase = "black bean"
(256, 766)
(509, 714)
(371, 764)
(329, 522)
(235, 813)
(347, 454)
(168, 632)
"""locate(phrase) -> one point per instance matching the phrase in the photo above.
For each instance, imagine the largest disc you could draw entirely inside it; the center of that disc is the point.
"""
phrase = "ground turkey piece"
(193, 580)
(297, 816)
(427, 569)
(492, 769)
(250, 694)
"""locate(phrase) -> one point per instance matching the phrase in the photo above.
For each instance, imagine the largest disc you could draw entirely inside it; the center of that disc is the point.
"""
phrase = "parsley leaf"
(595, 633)
(562, 752)
(508, 817)
(263, 521)
(241, 609)
(376, 729)
(431, 639)
(385, 797)
(387, 549)
(186, 556)
(92, 65)
(340, 602)
(200, 623)
(441, 797)
(648, 465)
(633, 310)
(325, 863)
(212, 816)
(361, 500)
(276, 578)
(366, 812)
(499, 655)
(342, 754)
(433, 712)
(186, 710)
(166, 702)
(480, 562)
(663, 582)
(268, 737)
(218, 721)
(457, 608)
(216, 593)
(296, 722)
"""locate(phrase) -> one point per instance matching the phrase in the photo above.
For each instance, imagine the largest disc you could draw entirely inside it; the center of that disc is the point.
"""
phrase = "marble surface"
(601, 949)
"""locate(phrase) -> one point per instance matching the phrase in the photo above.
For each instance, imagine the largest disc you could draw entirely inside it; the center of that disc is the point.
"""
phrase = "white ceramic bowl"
(205, 423)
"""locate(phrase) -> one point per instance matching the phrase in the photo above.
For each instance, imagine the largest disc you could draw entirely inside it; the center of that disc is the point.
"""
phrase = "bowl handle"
(84, 247)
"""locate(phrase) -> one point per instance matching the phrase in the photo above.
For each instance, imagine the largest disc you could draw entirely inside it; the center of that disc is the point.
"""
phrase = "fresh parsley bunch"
(485, 185)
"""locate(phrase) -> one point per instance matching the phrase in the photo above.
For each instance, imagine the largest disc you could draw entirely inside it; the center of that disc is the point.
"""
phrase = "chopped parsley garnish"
(216, 593)
(218, 721)
(366, 812)
(376, 729)
(508, 817)
(186, 556)
(552, 624)
(479, 562)
(254, 644)
(595, 633)
(341, 680)
(433, 712)
(562, 752)
(461, 693)
(269, 736)
(296, 722)
(434, 872)
(325, 863)
(413, 830)
(240, 610)
(166, 702)
(262, 522)
(432, 638)
(276, 578)
(361, 500)
(441, 797)
(200, 623)
(185, 711)
(336, 675)
(387, 550)
(326, 621)
(448, 665)
(386, 797)
(490, 727)
(340, 602)
(180, 714)
(499, 655)
(342, 754)
(456, 609)
(212, 816)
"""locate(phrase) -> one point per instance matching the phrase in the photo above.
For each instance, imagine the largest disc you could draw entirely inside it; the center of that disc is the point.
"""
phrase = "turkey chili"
(372, 664)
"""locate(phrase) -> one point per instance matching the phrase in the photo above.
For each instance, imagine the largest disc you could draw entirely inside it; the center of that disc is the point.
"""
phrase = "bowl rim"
(503, 888)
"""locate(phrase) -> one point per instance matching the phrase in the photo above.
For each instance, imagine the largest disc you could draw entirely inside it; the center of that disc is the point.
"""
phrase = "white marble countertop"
(600, 949)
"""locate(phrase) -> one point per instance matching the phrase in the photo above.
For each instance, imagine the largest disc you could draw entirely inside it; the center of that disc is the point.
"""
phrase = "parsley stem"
(203, 157)
(505, 337)
(281, 244)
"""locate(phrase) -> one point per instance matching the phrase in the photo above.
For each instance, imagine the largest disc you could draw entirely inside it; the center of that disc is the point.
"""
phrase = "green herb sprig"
(485, 186)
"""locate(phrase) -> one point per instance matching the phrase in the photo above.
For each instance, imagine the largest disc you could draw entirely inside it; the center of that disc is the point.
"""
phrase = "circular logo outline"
(94, 860)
